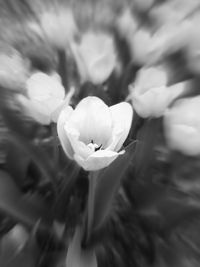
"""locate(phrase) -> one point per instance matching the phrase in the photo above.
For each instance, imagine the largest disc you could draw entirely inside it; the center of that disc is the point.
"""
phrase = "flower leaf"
(76, 256)
(22, 208)
(19, 248)
(20, 137)
(17, 162)
(107, 185)
(147, 138)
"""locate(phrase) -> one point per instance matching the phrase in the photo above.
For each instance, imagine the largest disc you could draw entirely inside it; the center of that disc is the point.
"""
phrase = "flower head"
(59, 26)
(95, 56)
(13, 70)
(151, 95)
(93, 133)
(182, 126)
(45, 97)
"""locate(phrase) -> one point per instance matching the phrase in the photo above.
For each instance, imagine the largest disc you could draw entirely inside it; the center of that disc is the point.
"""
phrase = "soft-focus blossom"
(13, 71)
(126, 24)
(45, 97)
(140, 46)
(150, 94)
(172, 27)
(172, 12)
(59, 26)
(95, 56)
(182, 126)
(149, 48)
(146, 48)
(93, 133)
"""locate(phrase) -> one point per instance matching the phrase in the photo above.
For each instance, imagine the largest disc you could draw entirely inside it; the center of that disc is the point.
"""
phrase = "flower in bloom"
(93, 133)
(59, 26)
(182, 126)
(126, 24)
(145, 47)
(13, 70)
(45, 97)
(95, 56)
(151, 95)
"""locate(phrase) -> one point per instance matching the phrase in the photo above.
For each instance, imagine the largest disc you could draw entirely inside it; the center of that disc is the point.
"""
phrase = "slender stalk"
(62, 68)
(55, 145)
(91, 197)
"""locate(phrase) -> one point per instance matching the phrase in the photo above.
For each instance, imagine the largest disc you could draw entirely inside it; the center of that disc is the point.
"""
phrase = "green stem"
(91, 196)
(55, 145)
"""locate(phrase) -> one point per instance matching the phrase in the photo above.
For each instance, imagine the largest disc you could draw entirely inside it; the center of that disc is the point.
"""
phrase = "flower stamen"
(94, 146)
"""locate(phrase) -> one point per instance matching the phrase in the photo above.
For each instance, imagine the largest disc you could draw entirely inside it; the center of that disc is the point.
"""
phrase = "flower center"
(94, 147)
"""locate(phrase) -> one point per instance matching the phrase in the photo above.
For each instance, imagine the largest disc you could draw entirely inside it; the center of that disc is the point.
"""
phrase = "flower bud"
(151, 95)
(95, 56)
(182, 126)
(59, 26)
(13, 71)
(45, 97)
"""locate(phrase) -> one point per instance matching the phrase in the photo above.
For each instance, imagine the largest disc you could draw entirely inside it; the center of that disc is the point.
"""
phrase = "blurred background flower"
(182, 126)
(96, 56)
(14, 70)
(58, 25)
(45, 97)
(151, 94)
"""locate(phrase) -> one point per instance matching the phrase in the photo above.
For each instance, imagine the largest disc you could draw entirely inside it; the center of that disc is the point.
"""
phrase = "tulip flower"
(126, 24)
(95, 56)
(59, 26)
(13, 70)
(93, 133)
(182, 126)
(45, 97)
(151, 95)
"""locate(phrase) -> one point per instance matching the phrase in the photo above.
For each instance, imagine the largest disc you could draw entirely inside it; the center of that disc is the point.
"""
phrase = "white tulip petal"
(81, 64)
(52, 104)
(35, 110)
(41, 86)
(122, 115)
(178, 89)
(148, 78)
(56, 112)
(93, 126)
(152, 103)
(65, 142)
(78, 147)
(95, 56)
(100, 70)
(98, 160)
(93, 120)
(182, 126)
(102, 67)
(63, 103)
(39, 110)
(59, 27)
(184, 138)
